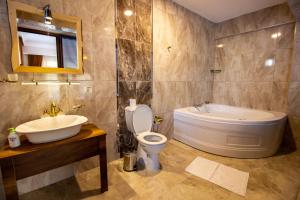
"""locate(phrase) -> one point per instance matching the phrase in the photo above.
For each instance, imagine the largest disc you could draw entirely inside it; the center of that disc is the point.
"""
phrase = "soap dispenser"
(13, 138)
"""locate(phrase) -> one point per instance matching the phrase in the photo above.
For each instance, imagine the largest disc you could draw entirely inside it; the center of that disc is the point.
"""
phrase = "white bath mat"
(222, 175)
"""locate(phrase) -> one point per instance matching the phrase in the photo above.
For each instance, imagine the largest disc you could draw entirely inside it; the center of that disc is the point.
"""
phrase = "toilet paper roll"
(132, 102)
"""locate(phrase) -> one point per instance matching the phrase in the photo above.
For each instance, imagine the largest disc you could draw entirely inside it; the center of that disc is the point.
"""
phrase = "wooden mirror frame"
(13, 7)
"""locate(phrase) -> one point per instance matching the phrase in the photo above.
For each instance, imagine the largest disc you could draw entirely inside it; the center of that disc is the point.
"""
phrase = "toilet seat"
(151, 138)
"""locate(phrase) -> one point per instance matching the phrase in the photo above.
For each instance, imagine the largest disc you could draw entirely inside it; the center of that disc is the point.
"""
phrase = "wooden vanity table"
(30, 159)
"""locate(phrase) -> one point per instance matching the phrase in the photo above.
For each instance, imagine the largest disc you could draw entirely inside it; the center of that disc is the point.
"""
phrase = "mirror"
(42, 45)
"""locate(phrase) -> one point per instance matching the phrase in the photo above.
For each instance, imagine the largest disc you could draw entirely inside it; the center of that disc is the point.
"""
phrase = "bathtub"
(230, 131)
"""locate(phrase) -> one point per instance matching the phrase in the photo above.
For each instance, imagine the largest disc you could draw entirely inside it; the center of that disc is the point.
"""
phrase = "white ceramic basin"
(51, 129)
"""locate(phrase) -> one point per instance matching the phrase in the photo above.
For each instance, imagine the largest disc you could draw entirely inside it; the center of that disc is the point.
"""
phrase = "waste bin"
(129, 162)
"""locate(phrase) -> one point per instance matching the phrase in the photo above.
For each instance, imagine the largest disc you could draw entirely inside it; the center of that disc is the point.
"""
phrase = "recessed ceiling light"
(220, 45)
(128, 13)
(269, 62)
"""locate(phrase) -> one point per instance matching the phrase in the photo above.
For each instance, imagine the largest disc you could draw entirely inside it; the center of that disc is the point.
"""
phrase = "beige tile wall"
(96, 92)
(247, 43)
(294, 88)
(182, 54)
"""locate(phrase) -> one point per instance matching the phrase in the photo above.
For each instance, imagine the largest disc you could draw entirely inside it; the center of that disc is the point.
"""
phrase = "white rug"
(222, 175)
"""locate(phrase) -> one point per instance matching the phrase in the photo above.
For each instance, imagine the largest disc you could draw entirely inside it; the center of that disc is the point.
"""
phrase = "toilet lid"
(142, 119)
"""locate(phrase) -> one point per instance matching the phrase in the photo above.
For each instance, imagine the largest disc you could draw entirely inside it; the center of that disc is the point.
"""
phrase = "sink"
(51, 129)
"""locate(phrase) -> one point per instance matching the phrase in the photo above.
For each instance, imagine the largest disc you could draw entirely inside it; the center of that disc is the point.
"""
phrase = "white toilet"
(139, 121)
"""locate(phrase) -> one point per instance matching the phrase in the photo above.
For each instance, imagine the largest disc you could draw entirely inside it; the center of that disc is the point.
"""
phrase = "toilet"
(139, 119)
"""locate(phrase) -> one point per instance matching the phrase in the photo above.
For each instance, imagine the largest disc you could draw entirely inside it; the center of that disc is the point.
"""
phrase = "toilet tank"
(139, 118)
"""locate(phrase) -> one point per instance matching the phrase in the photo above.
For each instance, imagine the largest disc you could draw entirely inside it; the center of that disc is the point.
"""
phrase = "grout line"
(256, 30)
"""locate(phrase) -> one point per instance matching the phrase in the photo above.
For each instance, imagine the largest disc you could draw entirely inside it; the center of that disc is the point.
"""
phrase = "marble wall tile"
(295, 7)
(279, 100)
(144, 92)
(143, 21)
(295, 128)
(127, 90)
(103, 14)
(257, 20)
(56, 5)
(201, 66)
(3, 6)
(104, 59)
(293, 98)
(164, 98)
(164, 31)
(286, 40)
(295, 74)
(80, 8)
(283, 64)
(143, 62)
(125, 24)
(263, 72)
(245, 80)
(201, 91)
(6, 43)
(183, 91)
(247, 72)
(126, 60)
(220, 92)
(106, 102)
(260, 95)
(163, 63)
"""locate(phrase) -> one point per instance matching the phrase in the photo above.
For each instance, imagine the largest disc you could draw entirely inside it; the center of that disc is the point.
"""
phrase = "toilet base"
(149, 162)
(152, 163)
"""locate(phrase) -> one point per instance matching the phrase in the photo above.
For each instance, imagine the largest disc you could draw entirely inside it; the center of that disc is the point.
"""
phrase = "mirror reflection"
(50, 44)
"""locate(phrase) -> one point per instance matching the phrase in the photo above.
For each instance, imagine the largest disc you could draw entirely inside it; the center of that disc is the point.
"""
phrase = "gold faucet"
(54, 110)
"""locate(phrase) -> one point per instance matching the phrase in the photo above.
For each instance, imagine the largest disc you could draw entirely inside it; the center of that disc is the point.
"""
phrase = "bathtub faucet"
(201, 104)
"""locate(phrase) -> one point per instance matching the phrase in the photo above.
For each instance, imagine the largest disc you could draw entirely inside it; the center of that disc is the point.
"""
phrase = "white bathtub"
(230, 131)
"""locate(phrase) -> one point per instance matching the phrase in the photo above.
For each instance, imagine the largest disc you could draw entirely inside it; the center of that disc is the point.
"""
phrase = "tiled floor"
(272, 178)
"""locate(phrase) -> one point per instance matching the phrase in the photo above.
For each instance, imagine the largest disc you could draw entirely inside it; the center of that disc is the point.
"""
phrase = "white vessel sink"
(51, 129)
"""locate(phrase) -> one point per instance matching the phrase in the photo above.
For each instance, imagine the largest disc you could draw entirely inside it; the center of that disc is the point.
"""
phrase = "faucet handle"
(78, 106)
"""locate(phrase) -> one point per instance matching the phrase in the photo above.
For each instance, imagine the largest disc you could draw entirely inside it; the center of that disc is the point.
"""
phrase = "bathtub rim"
(183, 112)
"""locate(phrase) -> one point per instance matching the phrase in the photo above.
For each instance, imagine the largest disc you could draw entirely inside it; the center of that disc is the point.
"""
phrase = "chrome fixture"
(75, 108)
(197, 106)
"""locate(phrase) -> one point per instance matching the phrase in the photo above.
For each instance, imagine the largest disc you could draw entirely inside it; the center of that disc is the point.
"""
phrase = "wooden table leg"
(9, 179)
(103, 164)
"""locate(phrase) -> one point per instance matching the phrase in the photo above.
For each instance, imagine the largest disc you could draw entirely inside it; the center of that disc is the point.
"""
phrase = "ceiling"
(221, 10)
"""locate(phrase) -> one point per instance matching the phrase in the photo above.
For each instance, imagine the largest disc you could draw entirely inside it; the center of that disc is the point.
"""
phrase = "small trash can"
(129, 162)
